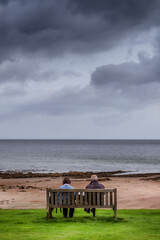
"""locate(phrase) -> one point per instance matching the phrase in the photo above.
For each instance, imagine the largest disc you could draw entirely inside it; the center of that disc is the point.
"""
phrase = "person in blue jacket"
(66, 185)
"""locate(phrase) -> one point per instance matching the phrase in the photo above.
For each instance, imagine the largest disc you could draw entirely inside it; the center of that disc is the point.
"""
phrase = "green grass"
(32, 224)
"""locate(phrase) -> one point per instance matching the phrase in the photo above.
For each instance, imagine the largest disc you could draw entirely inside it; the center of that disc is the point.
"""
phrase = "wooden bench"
(81, 198)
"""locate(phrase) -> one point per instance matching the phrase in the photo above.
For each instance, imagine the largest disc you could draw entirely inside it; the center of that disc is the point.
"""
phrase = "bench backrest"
(81, 198)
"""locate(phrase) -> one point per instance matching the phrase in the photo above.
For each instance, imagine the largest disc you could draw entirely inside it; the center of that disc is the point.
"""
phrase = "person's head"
(94, 178)
(66, 180)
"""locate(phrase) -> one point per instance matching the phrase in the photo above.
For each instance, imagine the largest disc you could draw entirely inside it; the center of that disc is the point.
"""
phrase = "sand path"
(133, 193)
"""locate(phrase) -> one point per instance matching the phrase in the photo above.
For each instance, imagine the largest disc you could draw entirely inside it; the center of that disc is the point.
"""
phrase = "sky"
(73, 69)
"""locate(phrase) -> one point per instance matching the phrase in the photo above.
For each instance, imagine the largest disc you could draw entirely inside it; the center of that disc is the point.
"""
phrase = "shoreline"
(76, 174)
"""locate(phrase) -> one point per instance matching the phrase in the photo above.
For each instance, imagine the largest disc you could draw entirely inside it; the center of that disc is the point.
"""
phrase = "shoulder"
(88, 185)
(101, 185)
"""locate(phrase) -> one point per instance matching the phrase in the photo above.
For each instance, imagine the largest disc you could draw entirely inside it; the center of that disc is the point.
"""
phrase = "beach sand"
(28, 193)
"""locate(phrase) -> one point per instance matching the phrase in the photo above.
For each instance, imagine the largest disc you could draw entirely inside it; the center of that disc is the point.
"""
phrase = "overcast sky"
(80, 69)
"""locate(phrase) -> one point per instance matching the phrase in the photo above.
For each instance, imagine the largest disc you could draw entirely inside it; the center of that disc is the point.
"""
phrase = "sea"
(134, 156)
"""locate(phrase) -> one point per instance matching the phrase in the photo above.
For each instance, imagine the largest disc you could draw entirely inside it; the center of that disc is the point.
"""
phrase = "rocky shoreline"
(76, 174)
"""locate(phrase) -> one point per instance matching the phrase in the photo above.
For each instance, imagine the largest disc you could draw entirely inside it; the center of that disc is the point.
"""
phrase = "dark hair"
(66, 180)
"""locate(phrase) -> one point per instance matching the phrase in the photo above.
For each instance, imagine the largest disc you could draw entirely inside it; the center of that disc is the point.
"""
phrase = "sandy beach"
(134, 192)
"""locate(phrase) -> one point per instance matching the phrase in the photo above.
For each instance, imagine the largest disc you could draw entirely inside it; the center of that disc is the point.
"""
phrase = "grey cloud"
(51, 28)
(71, 74)
(4, 2)
(88, 100)
(128, 74)
(16, 71)
(29, 70)
(12, 92)
(124, 88)
(113, 10)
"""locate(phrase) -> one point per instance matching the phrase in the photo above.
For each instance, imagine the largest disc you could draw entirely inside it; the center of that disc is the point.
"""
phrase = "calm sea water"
(80, 155)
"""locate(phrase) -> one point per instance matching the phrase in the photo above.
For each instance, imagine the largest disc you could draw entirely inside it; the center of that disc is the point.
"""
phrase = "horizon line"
(85, 139)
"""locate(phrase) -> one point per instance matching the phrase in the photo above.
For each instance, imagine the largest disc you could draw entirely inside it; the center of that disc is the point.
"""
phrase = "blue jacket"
(66, 186)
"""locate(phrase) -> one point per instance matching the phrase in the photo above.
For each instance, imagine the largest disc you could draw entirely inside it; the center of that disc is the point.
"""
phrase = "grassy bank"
(32, 224)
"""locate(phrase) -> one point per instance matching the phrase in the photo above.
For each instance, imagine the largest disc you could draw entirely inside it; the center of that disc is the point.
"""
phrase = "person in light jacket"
(66, 185)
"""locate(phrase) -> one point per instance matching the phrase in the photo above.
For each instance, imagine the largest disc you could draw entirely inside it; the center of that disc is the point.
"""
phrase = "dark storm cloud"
(128, 74)
(52, 27)
(4, 2)
(113, 10)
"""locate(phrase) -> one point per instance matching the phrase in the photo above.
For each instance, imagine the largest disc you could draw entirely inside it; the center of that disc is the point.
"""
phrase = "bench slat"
(107, 199)
(98, 199)
(69, 199)
(111, 199)
(64, 198)
(94, 200)
(89, 198)
(85, 199)
(60, 198)
(73, 203)
(52, 198)
(80, 190)
(79, 206)
(102, 198)
(81, 198)
(77, 198)
(56, 202)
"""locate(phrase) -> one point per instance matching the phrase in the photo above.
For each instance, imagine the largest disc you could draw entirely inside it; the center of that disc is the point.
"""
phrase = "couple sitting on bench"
(94, 184)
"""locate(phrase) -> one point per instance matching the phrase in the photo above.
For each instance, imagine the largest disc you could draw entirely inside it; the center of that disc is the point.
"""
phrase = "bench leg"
(115, 213)
(115, 203)
(49, 212)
